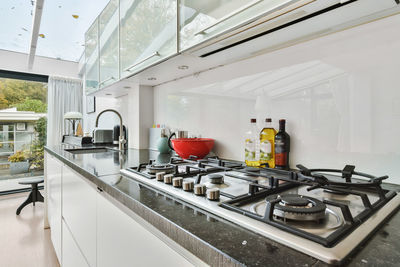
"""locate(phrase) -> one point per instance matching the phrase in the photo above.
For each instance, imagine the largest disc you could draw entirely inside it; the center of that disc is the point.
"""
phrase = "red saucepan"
(186, 147)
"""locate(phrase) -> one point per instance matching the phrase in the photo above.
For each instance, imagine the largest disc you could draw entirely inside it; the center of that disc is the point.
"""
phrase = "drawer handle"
(234, 13)
(155, 54)
(106, 80)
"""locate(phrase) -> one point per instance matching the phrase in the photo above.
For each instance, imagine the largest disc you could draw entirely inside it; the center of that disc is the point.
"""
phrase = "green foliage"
(31, 96)
(19, 156)
(37, 148)
(32, 105)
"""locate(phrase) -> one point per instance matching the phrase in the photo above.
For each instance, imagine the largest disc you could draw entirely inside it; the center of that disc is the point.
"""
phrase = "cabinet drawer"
(79, 212)
(53, 184)
(122, 241)
(72, 256)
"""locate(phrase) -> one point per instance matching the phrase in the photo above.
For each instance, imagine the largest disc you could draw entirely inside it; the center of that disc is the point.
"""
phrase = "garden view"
(22, 129)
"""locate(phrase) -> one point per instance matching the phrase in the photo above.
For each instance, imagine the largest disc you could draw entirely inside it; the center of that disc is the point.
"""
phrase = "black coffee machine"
(116, 134)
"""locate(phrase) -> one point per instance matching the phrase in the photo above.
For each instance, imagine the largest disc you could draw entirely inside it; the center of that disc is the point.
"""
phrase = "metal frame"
(258, 192)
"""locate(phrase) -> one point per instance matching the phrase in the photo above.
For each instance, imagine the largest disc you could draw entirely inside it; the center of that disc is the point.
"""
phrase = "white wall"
(340, 95)
(14, 61)
(108, 120)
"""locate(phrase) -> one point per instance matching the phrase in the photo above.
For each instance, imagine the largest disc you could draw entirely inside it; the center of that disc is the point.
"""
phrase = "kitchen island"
(210, 239)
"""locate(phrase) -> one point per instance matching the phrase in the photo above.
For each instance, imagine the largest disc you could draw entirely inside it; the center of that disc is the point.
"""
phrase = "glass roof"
(15, 25)
(62, 28)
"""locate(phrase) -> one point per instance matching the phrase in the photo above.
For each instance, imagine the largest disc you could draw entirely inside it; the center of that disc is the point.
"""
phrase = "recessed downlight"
(152, 78)
(183, 67)
(127, 87)
(108, 94)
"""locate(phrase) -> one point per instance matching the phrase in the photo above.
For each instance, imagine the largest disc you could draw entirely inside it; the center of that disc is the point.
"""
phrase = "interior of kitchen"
(208, 133)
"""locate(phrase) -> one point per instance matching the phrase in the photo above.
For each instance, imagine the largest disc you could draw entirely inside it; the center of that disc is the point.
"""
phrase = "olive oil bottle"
(252, 145)
(267, 144)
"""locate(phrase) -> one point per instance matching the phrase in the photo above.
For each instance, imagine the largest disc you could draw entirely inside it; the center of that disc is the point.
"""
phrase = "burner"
(216, 178)
(298, 208)
(155, 168)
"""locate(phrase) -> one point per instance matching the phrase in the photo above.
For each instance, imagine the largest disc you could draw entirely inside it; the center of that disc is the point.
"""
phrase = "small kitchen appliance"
(102, 136)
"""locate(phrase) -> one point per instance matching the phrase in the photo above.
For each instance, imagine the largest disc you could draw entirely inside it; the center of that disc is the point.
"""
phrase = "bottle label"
(281, 159)
(250, 150)
(280, 153)
(266, 150)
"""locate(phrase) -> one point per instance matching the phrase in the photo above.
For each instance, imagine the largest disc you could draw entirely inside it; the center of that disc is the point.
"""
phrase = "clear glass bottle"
(267, 144)
(252, 145)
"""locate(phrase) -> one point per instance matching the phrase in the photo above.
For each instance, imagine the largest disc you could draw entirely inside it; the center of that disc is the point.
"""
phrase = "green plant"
(34, 105)
(19, 156)
(37, 148)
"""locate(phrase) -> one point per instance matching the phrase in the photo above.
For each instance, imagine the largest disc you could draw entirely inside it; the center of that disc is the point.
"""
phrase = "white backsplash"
(340, 95)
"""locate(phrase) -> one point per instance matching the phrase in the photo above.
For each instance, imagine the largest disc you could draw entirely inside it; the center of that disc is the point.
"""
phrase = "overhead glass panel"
(15, 25)
(63, 27)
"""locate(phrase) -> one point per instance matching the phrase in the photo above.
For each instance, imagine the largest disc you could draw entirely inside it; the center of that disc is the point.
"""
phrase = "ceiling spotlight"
(152, 78)
(108, 94)
(127, 87)
(183, 67)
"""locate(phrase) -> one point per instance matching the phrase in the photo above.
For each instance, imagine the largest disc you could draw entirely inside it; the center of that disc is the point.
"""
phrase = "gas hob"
(312, 210)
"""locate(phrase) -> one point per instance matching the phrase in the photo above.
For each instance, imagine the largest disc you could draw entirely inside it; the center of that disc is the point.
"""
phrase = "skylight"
(62, 28)
(16, 25)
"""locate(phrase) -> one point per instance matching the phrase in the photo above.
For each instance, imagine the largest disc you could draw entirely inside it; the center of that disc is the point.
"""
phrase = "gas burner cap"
(216, 178)
(297, 207)
(155, 168)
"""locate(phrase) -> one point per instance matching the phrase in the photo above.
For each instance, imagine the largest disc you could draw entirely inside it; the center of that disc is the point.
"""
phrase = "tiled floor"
(23, 241)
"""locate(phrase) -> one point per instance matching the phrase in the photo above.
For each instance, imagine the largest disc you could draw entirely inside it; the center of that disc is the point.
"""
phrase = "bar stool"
(35, 195)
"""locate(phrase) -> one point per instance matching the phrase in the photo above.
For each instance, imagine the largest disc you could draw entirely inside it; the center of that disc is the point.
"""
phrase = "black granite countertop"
(214, 240)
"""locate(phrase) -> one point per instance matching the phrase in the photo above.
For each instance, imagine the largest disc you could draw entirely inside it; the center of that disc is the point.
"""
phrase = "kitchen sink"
(89, 150)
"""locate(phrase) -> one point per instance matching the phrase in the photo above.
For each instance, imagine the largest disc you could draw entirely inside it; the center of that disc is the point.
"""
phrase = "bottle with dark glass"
(282, 147)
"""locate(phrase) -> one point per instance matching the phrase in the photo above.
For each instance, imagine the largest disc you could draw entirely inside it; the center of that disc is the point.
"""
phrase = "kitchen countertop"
(214, 240)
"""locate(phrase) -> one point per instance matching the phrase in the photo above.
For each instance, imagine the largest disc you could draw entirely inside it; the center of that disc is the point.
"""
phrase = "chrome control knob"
(213, 194)
(168, 178)
(188, 185)
(200, 189)
(177, 182)
(160, 176)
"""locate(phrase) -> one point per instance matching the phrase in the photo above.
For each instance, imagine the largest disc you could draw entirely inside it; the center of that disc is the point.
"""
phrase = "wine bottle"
(282, 147)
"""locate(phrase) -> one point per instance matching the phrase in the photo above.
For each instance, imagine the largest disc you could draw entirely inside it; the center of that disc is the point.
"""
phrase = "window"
(23, 107)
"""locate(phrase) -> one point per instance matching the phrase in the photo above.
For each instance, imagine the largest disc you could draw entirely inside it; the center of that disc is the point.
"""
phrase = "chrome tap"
(122, 141)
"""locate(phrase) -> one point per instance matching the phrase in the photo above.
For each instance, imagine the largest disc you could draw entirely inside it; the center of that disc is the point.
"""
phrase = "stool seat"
(32, 181)
(34, 195)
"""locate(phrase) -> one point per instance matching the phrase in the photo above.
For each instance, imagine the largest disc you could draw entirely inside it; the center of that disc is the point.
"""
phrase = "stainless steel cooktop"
(312, 210)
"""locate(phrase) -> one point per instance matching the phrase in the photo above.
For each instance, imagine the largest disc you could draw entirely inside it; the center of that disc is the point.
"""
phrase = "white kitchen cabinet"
(53, 183)
(79, 212)
(123, 241)
(203, 20)
(72, 256)
(92, 58)
(148, 33)
(109, 44)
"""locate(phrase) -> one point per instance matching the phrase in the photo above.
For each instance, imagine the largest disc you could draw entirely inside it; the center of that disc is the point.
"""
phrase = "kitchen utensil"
(186, 147)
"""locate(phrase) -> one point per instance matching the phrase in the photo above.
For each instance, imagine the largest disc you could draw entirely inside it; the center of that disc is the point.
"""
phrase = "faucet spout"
(121, 141)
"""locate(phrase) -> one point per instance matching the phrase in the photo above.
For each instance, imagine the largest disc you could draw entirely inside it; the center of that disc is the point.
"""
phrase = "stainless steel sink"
(89, 150)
